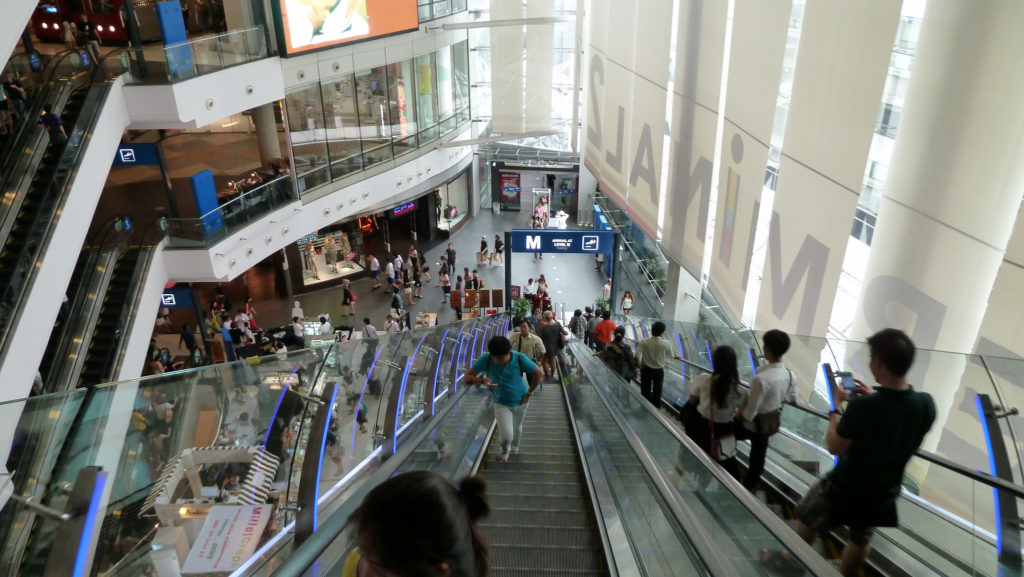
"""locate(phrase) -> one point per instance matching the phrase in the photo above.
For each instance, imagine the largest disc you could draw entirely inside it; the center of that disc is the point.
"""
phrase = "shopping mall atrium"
(252, 249)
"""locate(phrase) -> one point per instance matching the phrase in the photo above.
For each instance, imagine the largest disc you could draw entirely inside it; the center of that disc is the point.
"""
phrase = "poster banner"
(228, 538)
(509, 184)
(305, 26)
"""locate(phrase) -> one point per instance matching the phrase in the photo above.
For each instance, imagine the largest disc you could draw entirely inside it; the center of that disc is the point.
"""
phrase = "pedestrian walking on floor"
(446, 285)
(414, 258)
(760, 417)
(407, 286)
(391, 325)
(348, 298)
(874, 438)
(501, 370)
(374, 266)
(188, 339)
(417, 283)
(451, 254)
(498, 256)
(390, 273)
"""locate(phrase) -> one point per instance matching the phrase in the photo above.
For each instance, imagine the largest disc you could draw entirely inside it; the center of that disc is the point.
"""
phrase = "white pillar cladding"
(507, 72)
(755, 66)
(265, 121)
(1002, 329)
(700, 48)
(682, 295)
(955, 185)
(841, 67)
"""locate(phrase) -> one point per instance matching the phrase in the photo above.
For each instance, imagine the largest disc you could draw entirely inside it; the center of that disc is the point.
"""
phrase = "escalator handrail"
(803, 552)
(305, 555)
(979, 476)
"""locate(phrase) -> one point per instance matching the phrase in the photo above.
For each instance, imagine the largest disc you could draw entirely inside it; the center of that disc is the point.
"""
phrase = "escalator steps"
(532, 559)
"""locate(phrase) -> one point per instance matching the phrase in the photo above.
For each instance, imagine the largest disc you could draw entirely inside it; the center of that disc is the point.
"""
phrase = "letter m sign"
(533, 243)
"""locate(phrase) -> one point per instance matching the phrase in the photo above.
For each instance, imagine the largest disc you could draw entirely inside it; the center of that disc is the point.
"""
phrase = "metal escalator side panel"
(77, 336)
(694, 484)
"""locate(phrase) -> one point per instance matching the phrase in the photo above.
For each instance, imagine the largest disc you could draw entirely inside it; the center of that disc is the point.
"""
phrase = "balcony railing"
(230, 217)
(205, 55)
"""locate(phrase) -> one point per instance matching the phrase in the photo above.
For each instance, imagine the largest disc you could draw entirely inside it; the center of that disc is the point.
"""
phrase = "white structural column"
(266, 132)
(956, 179)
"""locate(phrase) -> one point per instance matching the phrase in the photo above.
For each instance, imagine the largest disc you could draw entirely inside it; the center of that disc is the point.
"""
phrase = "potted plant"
(520, 310)
(602, 304)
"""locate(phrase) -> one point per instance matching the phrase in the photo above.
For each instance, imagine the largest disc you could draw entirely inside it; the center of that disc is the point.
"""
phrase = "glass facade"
(345, 124)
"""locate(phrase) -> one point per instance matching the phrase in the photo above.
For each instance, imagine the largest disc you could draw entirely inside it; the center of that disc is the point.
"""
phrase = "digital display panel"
(308, 25)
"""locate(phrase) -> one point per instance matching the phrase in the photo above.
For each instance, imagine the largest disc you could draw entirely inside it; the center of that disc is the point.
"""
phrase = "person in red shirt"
(604, 330)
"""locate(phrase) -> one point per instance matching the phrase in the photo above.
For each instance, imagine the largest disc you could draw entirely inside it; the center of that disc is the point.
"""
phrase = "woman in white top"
(530, 289)
(627, 302)
(716, 397)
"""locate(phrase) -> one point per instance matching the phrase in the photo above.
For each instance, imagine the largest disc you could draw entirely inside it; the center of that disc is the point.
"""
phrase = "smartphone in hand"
(848, 383)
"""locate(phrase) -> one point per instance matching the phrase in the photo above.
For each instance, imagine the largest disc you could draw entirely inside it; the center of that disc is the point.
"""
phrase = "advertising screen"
(308, 25)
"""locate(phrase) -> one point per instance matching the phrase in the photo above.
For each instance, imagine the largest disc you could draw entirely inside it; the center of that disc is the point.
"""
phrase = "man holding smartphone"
(875, 437)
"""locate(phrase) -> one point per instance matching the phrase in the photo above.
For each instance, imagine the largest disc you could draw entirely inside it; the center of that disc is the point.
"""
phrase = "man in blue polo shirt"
(501, 369)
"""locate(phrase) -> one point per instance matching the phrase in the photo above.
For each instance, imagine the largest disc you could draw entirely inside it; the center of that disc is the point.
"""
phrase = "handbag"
(722, 448)
(767, 424)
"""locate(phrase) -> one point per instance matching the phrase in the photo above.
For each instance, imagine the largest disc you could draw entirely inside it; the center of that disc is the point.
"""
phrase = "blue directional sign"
(142, 154)
(562, 241)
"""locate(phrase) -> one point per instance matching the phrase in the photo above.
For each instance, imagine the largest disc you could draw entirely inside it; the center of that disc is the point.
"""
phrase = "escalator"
(582, 497)
(942, 536)
(542, 522)
(39, 181)
(102, 357)
(58, 348)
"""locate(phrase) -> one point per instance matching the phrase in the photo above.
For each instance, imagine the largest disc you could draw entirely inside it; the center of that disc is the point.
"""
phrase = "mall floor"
(573, 279)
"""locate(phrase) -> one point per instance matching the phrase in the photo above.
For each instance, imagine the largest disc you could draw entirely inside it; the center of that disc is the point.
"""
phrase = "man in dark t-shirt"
(874, 439)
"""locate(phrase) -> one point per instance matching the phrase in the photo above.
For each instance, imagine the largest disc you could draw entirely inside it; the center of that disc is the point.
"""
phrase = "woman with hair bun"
(440, 538)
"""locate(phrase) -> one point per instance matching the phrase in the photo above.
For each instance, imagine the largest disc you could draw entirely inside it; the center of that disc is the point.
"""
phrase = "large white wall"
(16, 15)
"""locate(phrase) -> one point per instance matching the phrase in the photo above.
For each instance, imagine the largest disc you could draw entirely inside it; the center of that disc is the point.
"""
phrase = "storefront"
(519, 187)
(339, 251)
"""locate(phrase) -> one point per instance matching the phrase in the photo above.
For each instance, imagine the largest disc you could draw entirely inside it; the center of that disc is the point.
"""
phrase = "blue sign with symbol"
(562, 241)
(144, 154)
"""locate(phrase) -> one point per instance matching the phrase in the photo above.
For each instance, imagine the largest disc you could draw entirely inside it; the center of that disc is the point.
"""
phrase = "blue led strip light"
(992, 471)
(355, 421)
(401, 394)
(323, 450)
(280, 399)
(89, 526)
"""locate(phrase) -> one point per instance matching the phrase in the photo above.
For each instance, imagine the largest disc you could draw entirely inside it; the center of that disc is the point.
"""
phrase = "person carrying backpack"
(501, 370)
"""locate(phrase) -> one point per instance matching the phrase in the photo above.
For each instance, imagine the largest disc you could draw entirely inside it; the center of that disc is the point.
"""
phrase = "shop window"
(452, 203)
(342, 122)
(403, 106)
(426, 102)
(374, 115)
(308, 136)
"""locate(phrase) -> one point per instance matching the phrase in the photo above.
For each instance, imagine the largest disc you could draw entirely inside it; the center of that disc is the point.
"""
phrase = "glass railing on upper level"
(236, 213)
(950, 490)
(177, 446)
(199, 56)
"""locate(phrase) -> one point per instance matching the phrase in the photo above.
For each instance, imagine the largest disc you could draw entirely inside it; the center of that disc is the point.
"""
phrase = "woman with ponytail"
(717, 397)
(418, 524)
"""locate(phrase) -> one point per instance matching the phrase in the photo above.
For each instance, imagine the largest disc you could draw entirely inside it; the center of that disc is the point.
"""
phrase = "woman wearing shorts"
(348, 298)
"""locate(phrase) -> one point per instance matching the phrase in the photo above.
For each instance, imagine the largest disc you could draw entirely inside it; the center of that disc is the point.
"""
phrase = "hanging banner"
(755, 67)
(698, 78)
(843, 61)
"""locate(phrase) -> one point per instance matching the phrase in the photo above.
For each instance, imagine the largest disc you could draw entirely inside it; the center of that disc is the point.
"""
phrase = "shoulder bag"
(767, 424)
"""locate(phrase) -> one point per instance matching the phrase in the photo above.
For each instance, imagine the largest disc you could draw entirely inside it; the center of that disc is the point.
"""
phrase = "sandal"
(782, 561)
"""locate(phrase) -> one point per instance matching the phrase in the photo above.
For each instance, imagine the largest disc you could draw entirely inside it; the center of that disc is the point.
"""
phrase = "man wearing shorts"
(875, 437)
(374, 265)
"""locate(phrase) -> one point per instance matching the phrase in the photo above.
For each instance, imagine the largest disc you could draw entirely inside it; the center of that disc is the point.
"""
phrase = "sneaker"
(502, 458)
(515, 450)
